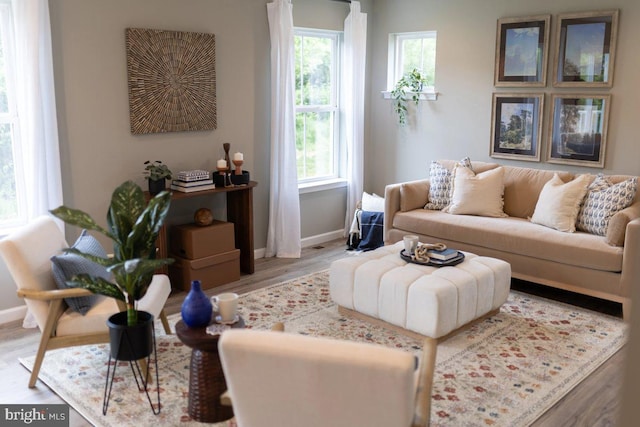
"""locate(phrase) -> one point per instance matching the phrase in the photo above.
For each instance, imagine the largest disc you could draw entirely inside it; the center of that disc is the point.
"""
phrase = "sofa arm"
(403, 197)
(631, 258)
(616, 230)
(391, 206)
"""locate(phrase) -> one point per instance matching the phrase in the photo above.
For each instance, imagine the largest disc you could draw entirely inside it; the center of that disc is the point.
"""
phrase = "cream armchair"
(279, 379)
(27, 253)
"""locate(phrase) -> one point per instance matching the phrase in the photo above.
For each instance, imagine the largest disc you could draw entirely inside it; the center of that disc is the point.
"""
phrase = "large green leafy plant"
(133, 226)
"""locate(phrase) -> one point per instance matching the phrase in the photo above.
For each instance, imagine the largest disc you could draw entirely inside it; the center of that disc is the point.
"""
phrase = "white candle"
(222, 164)
(238, 156)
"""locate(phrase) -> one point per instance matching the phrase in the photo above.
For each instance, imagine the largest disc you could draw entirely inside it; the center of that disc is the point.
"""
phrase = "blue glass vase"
(196, 309)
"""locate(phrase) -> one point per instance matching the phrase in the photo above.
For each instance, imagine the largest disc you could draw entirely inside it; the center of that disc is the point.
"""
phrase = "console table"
(239, 212)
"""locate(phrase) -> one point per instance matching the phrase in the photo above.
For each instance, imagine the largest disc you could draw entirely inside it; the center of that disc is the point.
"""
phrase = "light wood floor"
(594, 402)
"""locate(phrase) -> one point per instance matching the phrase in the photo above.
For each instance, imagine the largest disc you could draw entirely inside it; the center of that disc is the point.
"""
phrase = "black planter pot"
(130, 342)
(156, 186)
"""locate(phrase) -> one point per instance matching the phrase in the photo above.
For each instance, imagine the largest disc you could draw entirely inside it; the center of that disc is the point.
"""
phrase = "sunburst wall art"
(172, 80)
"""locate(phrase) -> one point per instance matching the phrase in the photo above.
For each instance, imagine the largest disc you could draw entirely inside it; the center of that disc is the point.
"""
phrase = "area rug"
(506, 370)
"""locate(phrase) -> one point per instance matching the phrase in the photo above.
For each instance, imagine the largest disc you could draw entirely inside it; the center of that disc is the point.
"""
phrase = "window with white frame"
(408, 51)
(317, 104)
(11, 209)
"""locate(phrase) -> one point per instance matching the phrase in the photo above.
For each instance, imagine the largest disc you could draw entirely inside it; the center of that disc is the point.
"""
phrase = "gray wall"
(458, 123)
(98, 152)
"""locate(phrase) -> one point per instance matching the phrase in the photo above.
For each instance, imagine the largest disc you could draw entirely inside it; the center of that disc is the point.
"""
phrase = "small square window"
(408, 51)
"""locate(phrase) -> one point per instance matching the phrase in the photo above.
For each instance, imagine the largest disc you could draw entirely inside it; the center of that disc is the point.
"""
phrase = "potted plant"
(156, 172)
(410, 85)
(133, 225)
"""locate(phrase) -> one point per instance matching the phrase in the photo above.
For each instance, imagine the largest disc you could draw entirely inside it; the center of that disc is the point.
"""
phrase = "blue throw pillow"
(67, 265)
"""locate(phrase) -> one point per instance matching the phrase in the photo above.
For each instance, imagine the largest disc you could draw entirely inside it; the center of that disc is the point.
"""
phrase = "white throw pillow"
(559, 203)
(372, 202)
(603, 200)
(480, 194)
(440, 184)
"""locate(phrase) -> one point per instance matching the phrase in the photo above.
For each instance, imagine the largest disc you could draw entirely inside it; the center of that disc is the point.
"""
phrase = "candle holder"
(226, 176)
(238, 165)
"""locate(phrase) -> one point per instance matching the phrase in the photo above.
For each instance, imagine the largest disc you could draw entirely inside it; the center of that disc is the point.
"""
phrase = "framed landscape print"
(585, 49)
(578, 135)
(521, 51)
(516, 126)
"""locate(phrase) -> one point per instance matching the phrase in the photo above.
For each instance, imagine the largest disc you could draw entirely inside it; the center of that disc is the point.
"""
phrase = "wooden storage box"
(192, 241)
(214, 270)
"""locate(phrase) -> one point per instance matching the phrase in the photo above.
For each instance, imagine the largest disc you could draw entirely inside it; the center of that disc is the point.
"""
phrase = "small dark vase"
(130, 342)
(196, 309)
(156, 186)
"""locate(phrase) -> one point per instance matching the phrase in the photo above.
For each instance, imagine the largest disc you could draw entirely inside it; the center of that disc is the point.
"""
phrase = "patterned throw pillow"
(603, 200)
(441, 184)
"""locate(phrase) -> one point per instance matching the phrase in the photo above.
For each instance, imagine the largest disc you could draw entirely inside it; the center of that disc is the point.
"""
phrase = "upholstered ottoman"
(429, 301)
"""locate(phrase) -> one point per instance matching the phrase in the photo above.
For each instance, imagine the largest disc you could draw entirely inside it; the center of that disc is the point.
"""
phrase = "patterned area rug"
(507, 370)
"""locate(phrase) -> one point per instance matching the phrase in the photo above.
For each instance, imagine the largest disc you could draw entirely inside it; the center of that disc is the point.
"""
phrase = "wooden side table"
(239, 212)
(206, 379)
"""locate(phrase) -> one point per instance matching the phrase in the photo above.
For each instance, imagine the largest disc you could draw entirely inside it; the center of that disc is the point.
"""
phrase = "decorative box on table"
(204, 253)
(193, 241)
(211, 271)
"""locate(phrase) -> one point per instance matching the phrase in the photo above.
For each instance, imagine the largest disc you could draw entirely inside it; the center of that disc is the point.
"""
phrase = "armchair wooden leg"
(44, 340)
(55, 309)
(165, 323)
(425, 382)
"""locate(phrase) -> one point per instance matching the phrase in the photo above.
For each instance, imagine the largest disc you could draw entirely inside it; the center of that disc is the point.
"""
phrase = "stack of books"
(190, 181)
(444, 255)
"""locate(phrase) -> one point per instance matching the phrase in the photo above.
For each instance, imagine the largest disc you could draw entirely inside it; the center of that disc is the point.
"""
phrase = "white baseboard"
(323, 238)
(12, 314)
(309, 241)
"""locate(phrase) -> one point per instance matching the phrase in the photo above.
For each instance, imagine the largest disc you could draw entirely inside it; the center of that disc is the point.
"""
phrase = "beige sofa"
(601, 266)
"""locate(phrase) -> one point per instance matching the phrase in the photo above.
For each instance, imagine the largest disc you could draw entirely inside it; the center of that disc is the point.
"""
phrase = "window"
(317, 105)
(412, 50)
(11, 210)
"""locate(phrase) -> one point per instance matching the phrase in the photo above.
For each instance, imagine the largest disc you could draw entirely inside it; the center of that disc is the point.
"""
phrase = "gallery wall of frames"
(583, 66)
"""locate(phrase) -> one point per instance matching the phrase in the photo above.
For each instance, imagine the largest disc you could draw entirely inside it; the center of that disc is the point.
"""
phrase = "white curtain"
(355, 49)
(37, 151)
(283, 238)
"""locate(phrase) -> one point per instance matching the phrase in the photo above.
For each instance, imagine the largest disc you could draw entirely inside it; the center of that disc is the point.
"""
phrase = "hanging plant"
(407, 89)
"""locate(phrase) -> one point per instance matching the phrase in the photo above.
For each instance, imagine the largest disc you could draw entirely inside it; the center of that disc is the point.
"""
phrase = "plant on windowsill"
(407, 89)
(157, 173)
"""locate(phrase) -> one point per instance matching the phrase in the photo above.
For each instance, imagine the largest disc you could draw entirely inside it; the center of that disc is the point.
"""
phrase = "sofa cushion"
(559, 203)
(616, 231)
(414, 194)
(372, 202)
(603, 200)
(522, 187)
(514, 235)
(440, 178)
(477, 194)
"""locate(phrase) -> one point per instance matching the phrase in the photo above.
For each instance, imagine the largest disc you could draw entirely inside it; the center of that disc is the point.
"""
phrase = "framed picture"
(585, 49)
(521, 51)
(516, 126)
(578, 135)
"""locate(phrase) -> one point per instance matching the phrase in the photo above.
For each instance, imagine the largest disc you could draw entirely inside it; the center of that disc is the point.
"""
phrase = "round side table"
(206, 379)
